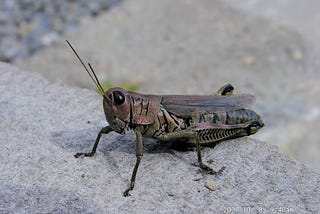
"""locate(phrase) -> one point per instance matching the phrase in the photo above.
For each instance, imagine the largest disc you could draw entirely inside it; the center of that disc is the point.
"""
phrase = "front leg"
(104, 130)
(139, 154)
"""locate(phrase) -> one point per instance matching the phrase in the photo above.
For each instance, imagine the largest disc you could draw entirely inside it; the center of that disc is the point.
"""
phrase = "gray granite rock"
(43, 125)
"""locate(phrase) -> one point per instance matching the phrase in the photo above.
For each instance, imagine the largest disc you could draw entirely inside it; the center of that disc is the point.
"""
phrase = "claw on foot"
(211, 171)
(221, 170)
(81, 155)
(127, 192)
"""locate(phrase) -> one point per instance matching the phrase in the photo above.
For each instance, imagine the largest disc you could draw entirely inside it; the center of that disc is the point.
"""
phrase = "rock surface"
(44, 124)
(190, 48)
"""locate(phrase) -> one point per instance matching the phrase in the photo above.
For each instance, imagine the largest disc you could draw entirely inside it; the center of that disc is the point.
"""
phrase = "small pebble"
(209, 185)
(296, 55)
(248, 60)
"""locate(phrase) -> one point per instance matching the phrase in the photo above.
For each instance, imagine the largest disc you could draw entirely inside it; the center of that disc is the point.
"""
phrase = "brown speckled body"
(149, 114)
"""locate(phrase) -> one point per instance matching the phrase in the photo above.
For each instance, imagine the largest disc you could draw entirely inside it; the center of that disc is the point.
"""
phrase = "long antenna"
(92, 74)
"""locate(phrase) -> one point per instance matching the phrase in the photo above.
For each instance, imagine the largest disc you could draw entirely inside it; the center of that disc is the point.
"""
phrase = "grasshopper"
(199, 120)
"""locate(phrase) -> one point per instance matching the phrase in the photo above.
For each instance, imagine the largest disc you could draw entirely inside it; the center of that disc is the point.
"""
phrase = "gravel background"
(26, 26)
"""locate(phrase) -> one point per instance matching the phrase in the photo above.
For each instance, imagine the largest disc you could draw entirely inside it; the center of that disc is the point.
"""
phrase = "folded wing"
(185, 106)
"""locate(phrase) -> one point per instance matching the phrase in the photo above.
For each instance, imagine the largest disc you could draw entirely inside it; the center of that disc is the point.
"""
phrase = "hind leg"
(225, 90)
(191, 136)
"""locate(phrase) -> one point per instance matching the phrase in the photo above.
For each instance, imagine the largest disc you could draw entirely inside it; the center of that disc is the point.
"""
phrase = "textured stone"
(43, 125)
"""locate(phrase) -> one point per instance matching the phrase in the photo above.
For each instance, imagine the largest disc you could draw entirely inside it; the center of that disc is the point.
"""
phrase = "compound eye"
(118, 97)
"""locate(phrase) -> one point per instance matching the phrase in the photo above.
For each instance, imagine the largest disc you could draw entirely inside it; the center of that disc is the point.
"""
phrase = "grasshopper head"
(123, 109)
(116, 104)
